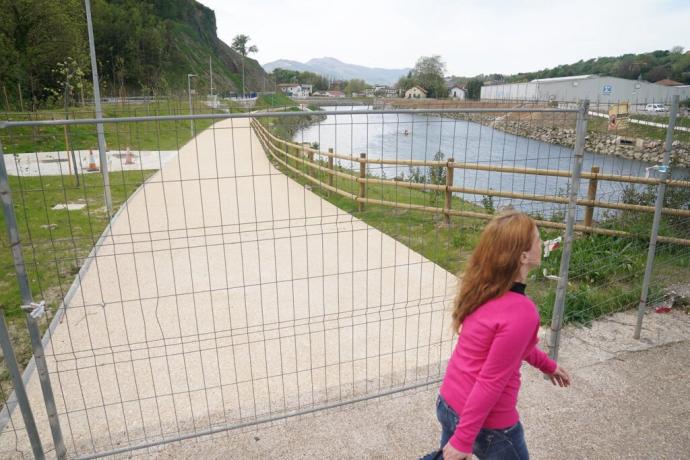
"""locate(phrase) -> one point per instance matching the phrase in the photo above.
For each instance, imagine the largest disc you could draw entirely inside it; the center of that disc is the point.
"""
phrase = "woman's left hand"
(560, 377)
(451, 453)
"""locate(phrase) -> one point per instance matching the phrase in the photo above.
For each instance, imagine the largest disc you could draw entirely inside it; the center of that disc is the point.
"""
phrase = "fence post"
(449, 194)
(362, 176)
(330, 167)
(310, 162)
(19, 390)
(661, 191)
(102, 154)
(591, 195)
(559, 304)
(27, 300)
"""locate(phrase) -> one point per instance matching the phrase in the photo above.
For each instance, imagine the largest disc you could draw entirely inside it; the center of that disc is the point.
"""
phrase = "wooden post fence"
(330, 166)
(362, 176)
(591, 196)
(449, 193)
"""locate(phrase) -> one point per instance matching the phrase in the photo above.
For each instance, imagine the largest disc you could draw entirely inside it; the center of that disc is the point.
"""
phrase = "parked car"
(655, 108)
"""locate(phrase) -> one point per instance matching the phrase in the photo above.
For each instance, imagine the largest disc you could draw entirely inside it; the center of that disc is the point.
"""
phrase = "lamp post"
(189, 93)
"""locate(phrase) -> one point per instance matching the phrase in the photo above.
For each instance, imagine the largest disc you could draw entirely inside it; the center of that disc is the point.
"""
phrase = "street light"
(189, 92)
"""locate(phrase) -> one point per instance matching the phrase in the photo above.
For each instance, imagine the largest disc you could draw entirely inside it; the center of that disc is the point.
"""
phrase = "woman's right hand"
(451, 453)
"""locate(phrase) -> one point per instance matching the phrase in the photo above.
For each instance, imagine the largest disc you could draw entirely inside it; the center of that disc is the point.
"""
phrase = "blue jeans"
(504, 444)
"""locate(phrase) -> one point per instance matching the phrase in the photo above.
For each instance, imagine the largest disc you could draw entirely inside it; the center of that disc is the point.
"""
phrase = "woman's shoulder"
(512, 305)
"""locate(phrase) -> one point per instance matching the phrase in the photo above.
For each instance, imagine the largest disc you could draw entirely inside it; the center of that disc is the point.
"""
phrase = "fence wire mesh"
(276, 264)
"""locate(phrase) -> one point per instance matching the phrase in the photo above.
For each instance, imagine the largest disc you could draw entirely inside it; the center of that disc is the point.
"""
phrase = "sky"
(472, 37)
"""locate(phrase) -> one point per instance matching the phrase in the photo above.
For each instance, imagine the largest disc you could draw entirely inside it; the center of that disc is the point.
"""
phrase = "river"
(420, 137)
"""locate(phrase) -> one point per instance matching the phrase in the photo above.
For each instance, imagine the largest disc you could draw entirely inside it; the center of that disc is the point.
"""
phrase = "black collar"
(518, 287)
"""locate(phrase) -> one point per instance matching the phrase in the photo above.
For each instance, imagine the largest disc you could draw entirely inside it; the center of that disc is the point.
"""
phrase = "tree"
(239, 44)
(681, 69)
(406, 82)
(355, 86)
(429, 74)
(34, 37)
(658, 73)
(474, 88)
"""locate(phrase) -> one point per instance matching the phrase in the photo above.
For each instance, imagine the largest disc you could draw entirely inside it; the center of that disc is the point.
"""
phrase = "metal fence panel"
(273, 266)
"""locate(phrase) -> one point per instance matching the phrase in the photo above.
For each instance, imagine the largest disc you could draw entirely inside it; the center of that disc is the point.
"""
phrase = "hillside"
(335, 69)
(142, 47)
(653, 66)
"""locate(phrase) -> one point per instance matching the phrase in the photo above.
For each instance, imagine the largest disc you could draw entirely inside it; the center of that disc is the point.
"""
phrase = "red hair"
(494, 264)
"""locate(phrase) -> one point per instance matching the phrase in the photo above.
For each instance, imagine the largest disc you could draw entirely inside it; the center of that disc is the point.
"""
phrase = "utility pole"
(210, 66)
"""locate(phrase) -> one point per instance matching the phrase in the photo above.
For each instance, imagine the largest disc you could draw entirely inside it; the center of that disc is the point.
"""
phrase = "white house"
(456, 92)
(295, 89)
(416, 92)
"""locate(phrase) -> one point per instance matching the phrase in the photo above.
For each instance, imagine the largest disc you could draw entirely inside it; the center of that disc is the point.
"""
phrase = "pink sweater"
(482, 380)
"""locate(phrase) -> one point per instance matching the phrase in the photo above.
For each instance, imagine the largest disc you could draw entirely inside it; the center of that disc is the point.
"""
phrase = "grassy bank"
(286, 127)
(163, 135)
(274, 101)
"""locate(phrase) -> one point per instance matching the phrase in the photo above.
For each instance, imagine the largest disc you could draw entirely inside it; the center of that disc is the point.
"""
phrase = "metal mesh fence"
(279, 263)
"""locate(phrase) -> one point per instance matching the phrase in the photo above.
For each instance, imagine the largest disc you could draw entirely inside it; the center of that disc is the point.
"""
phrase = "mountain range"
(338, 70)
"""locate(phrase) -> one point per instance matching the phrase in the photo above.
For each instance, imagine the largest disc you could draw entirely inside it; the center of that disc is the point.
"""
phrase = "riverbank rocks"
(607, 144)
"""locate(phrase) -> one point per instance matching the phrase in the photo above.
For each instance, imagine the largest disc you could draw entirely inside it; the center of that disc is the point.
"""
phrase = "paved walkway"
(225, 291)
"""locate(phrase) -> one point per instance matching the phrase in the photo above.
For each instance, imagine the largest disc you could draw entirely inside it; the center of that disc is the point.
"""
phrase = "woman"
(478, 396)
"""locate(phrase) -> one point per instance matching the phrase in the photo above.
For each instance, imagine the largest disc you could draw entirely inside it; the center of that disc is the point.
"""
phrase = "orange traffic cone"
(129, 158)
(92, 162)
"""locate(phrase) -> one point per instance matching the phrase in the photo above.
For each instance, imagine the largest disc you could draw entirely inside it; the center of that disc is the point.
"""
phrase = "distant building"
(391, 92)
(416, 92)
(381, 91)
(295, 89)
(456, 92)
(334, 93)
(597, 89)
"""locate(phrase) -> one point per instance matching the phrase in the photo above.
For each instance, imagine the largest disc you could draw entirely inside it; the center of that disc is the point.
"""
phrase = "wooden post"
(330, 167)
(362, 175)
(591, 195)
(21, 99)
(7, 101)
(310, 161)
(449, 194)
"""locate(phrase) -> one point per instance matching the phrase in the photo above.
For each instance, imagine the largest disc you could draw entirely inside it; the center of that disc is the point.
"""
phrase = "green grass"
(680, 121)
(276, 100)
(164, 135)
(599, 125)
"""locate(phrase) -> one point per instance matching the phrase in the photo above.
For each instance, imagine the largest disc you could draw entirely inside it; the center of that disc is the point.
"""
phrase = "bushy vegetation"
(142, 48)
